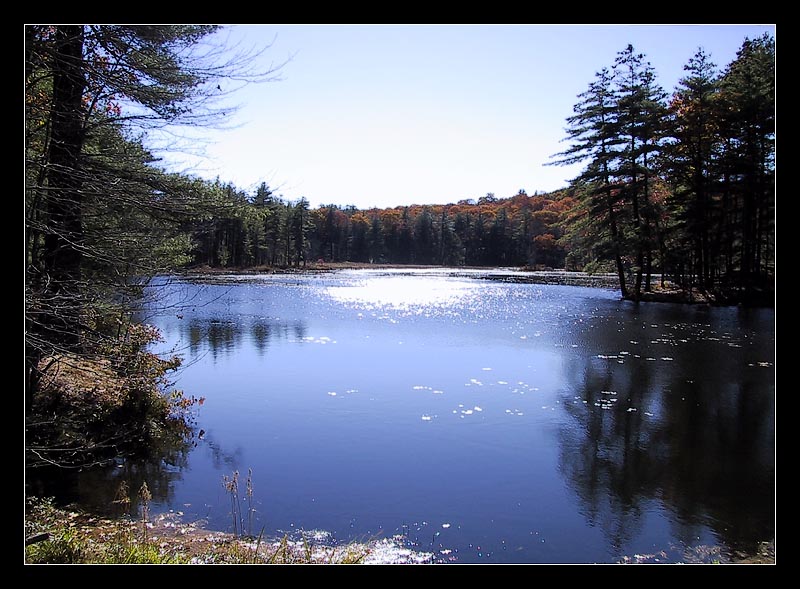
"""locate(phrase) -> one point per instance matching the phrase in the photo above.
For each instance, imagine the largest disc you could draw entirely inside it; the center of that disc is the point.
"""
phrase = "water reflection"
(659, 423)
(224, 337)
(99, 488)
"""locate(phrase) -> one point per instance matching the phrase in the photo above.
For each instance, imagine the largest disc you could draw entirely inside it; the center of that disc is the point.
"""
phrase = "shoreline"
(502, 274)
(520, 275)
(166, 538)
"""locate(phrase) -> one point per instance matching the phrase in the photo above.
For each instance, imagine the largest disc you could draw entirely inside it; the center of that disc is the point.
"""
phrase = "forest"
(677, 187)
(266, 230)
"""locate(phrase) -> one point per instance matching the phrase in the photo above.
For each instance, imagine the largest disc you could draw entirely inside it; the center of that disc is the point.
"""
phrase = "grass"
(77, 537)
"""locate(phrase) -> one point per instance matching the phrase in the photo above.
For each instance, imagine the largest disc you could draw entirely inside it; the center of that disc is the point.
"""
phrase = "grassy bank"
(78, 537)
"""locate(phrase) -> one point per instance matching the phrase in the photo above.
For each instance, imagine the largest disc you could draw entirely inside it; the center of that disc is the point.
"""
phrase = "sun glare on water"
(404, 292)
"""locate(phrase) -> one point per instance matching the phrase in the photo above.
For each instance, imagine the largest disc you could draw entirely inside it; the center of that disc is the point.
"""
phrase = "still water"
(487, 420)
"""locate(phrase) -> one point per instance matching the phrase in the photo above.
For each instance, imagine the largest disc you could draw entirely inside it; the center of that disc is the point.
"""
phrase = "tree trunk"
(57, 302)
(617, 249)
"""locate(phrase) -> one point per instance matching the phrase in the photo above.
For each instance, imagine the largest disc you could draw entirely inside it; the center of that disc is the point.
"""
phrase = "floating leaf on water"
(667, 359)
(476, 408)
(445, 526)
(631, 409)
(467, 412)
(634, 342)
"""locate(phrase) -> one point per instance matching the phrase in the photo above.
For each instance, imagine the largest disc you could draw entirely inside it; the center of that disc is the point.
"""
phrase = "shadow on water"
(97, 487)
(674, 416)
(222, 338)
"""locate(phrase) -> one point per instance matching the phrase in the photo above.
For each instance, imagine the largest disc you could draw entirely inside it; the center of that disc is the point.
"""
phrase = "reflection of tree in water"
(605, 456)
(220, 336)
(98, 487)
(695, 433)
(223, 459)
(262, 333)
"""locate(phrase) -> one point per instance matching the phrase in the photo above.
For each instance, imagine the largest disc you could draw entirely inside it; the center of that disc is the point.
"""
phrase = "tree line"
(263, 229)
(681, 185)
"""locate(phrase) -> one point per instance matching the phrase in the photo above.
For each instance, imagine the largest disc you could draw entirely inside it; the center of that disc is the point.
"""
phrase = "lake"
(486, 419)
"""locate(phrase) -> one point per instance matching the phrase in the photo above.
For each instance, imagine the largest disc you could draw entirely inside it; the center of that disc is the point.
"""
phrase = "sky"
(384, 116)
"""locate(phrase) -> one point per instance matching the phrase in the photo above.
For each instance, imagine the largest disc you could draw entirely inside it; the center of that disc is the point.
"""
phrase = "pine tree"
(299, 227)
(593, 131)
(640, 112)
(101, 217)
(693, 155)
(748, 123)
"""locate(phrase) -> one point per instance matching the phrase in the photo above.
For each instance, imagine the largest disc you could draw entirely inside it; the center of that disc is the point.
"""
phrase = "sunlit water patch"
(419, 295)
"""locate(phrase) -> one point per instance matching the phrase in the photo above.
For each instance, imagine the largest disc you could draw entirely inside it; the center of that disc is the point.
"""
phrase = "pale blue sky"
(394, 115)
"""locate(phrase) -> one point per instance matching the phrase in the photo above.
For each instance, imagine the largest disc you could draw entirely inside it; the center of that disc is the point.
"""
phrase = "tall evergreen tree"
(299, 227)
(100, 216)
(748, 123)
(640, 112)
(594, 133)
(693, 155)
